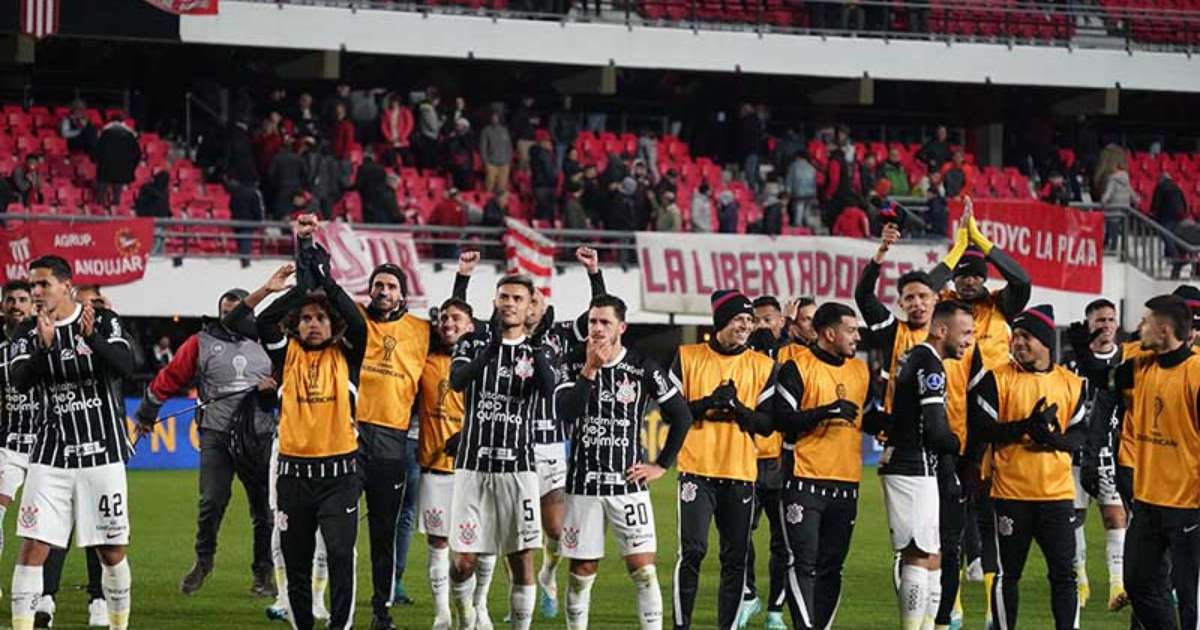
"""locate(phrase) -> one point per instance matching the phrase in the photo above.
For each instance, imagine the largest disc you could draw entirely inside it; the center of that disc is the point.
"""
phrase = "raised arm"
(881, 323)
(1015, 295)
(269, 323)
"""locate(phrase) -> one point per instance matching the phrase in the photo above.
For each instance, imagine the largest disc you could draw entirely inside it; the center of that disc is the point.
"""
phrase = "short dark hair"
(915, 275)
(517, 278)
(1175, 309)
(610, 301)
(1098, 304)
(806, 301)
(461, 305)
(766, 300)
(58, 266)
(17, 285)
(949, 308)
(830, 314)
(88, 287)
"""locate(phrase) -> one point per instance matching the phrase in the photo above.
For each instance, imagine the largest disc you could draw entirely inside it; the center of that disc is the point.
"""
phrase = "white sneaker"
(98, 614)
(320, 613)
(975, 571)
(442, 621)
(43, 613)
(483, 621)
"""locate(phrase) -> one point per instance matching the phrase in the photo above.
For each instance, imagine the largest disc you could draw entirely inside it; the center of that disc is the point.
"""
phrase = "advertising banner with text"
(105, 253)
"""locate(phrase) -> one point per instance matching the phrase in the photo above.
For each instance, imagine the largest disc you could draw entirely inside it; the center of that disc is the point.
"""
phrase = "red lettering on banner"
(824, 274)
(807, 283)
(750, 286)
(766, 262)
(729, 269)
(701, 288)
(844, 276)
(676, 278)
(785, 259)
(112, 252)
(648, 274)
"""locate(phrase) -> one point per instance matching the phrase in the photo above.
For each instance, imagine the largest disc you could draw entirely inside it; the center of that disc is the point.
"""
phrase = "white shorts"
(631, 517)
(93, 501)
(912, 510)
(1108, 489)
(434, 504)
(13, 467)
(551, 460)
(495, 513)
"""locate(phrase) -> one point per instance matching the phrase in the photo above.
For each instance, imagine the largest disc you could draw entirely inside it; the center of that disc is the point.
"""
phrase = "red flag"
(186, 7)
(530, 253)
(39, 18)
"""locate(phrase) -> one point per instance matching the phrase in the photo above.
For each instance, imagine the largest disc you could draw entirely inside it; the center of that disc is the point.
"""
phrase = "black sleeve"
(940, 275)
(461, 282)
(1014, 296)
(881, 323)
(758, 420)
(570, 398)
(596, 280)
(543, 371)
(110, 346)
(270, 331)
(674, 410)
(1101, 424)
(983, 421)
(355, 337)
(931, 394)
(789, 418)
(470, 358)
(26, 359)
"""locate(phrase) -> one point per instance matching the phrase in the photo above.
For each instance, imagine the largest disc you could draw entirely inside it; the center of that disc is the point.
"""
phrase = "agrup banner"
(680, 271)
(105, 253)
(1060, 248)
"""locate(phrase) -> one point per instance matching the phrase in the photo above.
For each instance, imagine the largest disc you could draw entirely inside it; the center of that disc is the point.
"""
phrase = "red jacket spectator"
(852, 222)
(266, 144)
(396, 124)
(959, 176)
(343, 139)
(448, 213)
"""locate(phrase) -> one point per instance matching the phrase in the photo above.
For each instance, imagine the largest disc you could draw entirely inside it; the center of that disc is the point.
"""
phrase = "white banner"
(353, 254)
(680, 271)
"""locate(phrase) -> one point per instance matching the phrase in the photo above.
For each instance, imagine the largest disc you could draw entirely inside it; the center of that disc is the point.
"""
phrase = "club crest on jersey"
(687, 492)
(433, 518)
(524, 367)
(467, 533)
(570, 537)
(1005, 526)
(29, 516)
(626, 391)
(841, 391)
(795, 514)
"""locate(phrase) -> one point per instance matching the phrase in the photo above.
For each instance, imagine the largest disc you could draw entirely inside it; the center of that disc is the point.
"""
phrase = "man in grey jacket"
(496, 150)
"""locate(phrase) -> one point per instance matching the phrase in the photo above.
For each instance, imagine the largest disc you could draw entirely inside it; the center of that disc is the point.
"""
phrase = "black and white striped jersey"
(79, 382)
(606, 427)
(561, 339)
(21, 409)
(919, 431)
(498, 385)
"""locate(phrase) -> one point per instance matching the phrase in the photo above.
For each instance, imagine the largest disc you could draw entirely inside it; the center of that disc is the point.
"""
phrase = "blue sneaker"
(748, 609)
(275, 612)
(400, 596)
(775, 621)
(549, 605)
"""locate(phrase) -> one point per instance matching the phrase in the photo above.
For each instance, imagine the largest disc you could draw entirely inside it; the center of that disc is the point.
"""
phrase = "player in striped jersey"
(21, 410)
(75, 356)
(496, 504)
(603, 398)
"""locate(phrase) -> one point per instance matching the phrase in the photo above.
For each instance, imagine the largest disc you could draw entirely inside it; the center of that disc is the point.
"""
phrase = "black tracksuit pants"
(768, 490)
(384, 483)
(331, 505)
(730, 503)
(951, 518)
(216, 484)
(818, 522)
(1052, 525)
(1162, 550)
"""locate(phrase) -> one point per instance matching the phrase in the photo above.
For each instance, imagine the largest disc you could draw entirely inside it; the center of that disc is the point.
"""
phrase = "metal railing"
(1037, 22)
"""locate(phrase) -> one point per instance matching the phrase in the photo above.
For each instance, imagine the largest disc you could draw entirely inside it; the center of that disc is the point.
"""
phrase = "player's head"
(917, 297)
(89, 294)
(1166, 322)
(952, 328)
(455, 319)
(229, 301)
(388, 288)
(1032, 342)
(514, 298)
(1191, 296)
(18, 301)
(801, 326)
(1101, 315)
(768, 315)
(537, 310)
(50, 280)
(733, 318)
(314, 322)
(606, 318)
(970, 274)
(837, 329)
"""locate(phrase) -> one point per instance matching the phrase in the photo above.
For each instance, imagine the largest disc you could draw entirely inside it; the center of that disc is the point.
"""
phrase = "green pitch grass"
(163, 505)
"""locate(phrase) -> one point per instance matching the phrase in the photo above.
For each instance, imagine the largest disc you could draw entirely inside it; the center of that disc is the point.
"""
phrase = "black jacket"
(154, 199)
(117, 154)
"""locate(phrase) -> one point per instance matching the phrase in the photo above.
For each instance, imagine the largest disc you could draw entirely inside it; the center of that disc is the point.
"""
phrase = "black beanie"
(1191, 295)
(972, 263)
(726, 305)
(392, 270)
(1039, 322)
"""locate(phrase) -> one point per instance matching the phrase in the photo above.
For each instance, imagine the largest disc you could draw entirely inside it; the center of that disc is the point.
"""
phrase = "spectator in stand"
(574, 215)
(1169, 207)
(341, 96)
(245, 204)
(1114, 190)
(496, 151)
(288, 173)
(615, 171)
(1188, 231)
(749, 141)
(838, 191)
(702, 209)
(668, 216)
(117, 156)
(161, 354)
(341, 133)
(396, 125)
(845, 143)
(571, 169)
(496, 210)
(27, 179)
(239, 154)
(958, 176)
(595, 196)
(451, 213)
(668, 183)
(429, 124)
(154, 199)
(893, 171)
(936, 151)
(460, 155)
(364, 112)
(1055, 190)
(622, 209)
(267, 142)
(727, 212)
(644, 200)
(937, 211)
(772, 218)
(852, 222)
(564, 128)
(524, 127)
(543, 176)
(868, 174)
(647, 151)
(376, 191)
(77, 129)
(801, 184)
(304, 117)
(854, 17)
